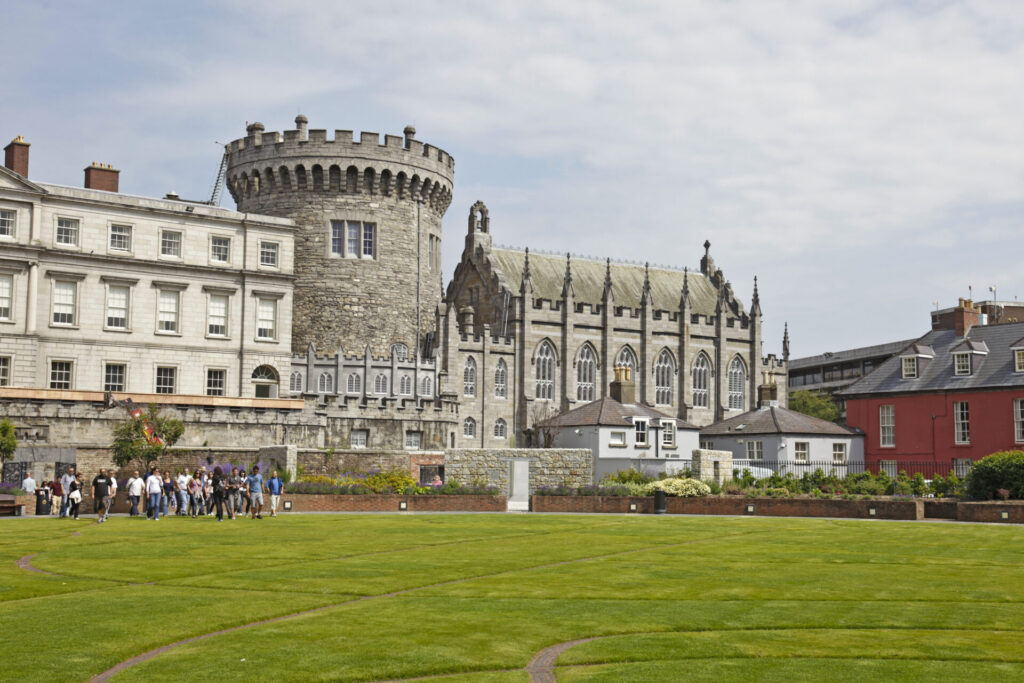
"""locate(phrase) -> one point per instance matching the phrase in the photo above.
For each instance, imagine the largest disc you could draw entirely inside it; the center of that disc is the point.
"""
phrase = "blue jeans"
(163, 505)
(182, 502)
(154, 504)
(65, 505)
(135, 506)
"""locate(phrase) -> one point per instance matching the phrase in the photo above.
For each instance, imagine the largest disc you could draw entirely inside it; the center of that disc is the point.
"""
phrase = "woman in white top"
(155, 488)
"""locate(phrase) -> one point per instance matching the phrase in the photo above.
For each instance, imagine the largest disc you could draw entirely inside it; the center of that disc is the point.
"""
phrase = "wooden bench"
(7, 505)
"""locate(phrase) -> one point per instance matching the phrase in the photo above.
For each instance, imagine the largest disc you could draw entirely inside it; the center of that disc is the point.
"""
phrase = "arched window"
(469, 427)
(295, 384)
(626, 359)
(500, 429)
(586, 370)
(545, 371)
(737, 384)
(405, 387)
(400, 351)
(501, 380)
(354, 384)
(427, 387)
(325, 384)
(664, 373)
(380, 384)
(469, 378)
(701, 381)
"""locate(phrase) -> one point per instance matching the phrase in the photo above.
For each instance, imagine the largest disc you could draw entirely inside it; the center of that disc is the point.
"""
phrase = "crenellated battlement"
(264, 164)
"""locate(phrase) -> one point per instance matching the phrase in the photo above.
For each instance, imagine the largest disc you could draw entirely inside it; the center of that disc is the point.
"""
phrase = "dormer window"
(910, 367)
(961, 364)
(1018, 360)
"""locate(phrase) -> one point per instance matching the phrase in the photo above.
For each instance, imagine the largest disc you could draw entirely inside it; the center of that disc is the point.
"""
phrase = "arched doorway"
(265, 380)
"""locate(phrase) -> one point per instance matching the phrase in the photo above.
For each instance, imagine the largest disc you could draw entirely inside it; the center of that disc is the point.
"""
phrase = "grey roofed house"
(994, 367)
(588, 277)
(776, 420)
(608, 412)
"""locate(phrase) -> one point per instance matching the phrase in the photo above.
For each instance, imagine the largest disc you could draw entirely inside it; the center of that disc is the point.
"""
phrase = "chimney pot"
(16, 156)
(101, 177)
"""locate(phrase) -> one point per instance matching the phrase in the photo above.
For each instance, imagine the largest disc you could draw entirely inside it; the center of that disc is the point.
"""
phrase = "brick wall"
(991, 511)
(390, 503)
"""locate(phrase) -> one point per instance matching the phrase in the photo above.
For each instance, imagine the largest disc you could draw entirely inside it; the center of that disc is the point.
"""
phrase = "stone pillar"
(33, 298)
(708, 465)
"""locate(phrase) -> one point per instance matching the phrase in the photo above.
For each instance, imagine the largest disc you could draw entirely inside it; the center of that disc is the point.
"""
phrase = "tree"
(8, 444)
(144, 436)
(815, 404)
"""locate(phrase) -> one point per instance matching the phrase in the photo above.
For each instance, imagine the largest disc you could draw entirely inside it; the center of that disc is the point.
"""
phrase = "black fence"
(15, 472)
(761, 469)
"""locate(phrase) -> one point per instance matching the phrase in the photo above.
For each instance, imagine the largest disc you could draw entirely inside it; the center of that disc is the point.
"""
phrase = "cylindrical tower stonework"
(368, 244)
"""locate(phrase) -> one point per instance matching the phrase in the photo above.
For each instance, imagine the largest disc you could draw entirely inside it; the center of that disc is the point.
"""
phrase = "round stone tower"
(368, 243)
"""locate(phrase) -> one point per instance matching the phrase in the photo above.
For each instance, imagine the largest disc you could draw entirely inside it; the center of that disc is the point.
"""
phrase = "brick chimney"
(959, 319)
(101, 177)
(16, 156)
(623, 388)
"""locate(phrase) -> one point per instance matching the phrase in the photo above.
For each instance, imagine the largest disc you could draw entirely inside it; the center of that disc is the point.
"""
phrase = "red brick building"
(951, 397)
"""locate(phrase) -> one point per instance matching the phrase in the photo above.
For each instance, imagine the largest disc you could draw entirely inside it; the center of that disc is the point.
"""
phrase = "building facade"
(944, 401)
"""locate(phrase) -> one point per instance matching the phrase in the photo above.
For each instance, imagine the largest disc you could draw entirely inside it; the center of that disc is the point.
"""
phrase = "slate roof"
(548, 275)
(886, 349)
(607, 412)
(776, 420)
(995, 370)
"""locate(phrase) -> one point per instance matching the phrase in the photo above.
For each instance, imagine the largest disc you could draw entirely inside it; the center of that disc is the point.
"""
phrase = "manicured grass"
(475, 597)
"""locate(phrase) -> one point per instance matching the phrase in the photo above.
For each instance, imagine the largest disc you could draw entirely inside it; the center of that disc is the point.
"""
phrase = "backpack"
(219, 485)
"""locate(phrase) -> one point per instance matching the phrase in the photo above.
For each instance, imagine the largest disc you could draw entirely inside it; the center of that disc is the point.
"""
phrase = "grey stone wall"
(548, 467)
(351, 301)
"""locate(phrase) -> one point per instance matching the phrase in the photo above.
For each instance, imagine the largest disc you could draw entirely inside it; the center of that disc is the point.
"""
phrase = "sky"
(863, 159)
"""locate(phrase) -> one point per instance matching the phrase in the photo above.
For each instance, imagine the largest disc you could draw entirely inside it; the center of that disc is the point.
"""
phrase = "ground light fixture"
(287, 506)
(403, 505)
(872, 512)
(750, 508)
(632, 507)
(1004, 515)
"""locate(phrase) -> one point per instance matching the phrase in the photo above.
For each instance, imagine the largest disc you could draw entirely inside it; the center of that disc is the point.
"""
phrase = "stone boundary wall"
(713, 505)
(991, 511)
(548, 466)
(940, 508)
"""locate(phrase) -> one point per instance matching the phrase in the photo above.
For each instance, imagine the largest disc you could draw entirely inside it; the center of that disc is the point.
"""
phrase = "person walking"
(167, 498)
(134, 487)
(155, 489)
(181, 486)
(56, 497)
(234, 492)
(75, 495)
(28, 485)
(254, 485)
(219, 484)
(243, 494)
(101, 485)
(275, 487)
(65, 484)
(195, 484)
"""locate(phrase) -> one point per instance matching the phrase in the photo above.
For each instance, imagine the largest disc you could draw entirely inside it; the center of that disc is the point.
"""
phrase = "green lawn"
(475, 597)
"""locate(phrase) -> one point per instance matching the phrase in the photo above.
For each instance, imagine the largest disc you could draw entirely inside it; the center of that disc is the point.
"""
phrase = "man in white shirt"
(29, 485)
(135, 487)
(155, 488)
(65, 486)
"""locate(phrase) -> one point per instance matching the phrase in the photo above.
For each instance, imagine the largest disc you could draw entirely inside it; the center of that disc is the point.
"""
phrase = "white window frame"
(7, 301)
(405, 385)
(6, 367)
(71, 226)
(359, 438)
(469, 428)
(70, 370)
(1018, 360)
(755, 449)
(840, 453)
(617, 439)
(211, 389)
(380, 384)
(641, 432)
(295, 383)
(8, 223)
(802, 451)
(664, 378)
(668, 434)
(127, 307)
(74, 303)
(737, 384)
(160, 292)
(908, 365)
(707, 445)
(414, 440)
(354, 383)
(962, 364)
(268, 247)
(106, 376)
(174, 376)
(214, 246)
(469, 377)
(1018, 420)
(325, 383)
(164, 232)
(961, 422)
(427, 386)
(500, 429)
(129, 237)
(210, 315)
(358, 239)
(264, 333)
(887, 426)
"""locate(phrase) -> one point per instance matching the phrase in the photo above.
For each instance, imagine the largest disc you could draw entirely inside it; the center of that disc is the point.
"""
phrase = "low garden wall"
(991, 511)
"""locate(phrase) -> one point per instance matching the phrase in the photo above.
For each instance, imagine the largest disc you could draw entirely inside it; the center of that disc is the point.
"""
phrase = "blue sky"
(863, 159)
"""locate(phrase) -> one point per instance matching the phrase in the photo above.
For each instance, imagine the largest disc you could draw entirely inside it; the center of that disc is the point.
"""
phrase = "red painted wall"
(920, 439)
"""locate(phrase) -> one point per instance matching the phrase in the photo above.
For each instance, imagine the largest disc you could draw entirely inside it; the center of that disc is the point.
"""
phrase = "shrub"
(682, 488)
(630, 476)
(777, 493)
(1003, 470)
(8, 443)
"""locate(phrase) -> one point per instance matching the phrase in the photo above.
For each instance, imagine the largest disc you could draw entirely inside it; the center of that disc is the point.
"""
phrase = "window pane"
(167, 311)
(5, 371)
(60, 374)
(166, 380)
(268, 254)
(337, 237)
(353, 239)
(220, 249)
(64, 303)
(8, 219)
(117, 307)
(216, 380)
(217, 323)
(6, 295)
(265, 318)
(170, 243)
(67, 231)
(121, 237)
(114, 377)
(369, 239)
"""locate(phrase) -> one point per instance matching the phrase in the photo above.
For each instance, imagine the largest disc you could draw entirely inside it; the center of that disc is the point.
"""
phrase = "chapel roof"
(608, 412)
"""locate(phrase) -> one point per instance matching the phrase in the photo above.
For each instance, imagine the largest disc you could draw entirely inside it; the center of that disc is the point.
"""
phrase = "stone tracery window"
(737, 384)
(354, 384)
(545, 371)
(469, 427)
(701, 381)
(325, 384)
(664, 373)
(586, 370)
(295, 383)
(626, 359)
(500, 429)
(501, 380)
(469, 378)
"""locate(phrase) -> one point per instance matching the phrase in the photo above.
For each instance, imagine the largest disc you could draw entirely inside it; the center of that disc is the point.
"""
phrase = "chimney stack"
(768, 392)
(101, 177)
(16, 156)
(623, 388)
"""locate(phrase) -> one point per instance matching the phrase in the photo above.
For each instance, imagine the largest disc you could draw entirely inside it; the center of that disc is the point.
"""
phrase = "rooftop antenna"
(218, 184)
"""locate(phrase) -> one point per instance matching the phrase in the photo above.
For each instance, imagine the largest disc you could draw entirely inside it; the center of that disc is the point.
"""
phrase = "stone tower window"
(354, 384)
(406, 386)
(501, 380)
(469, 427)
(295, 385)
(545, 371)
(701, 381)
(325, 384)
(427, 387)
(737, 384)
(400, 351)
(586, 369)
(626, 359)
(469, 378)
(500, 429)
(664, 373)
(380, 384)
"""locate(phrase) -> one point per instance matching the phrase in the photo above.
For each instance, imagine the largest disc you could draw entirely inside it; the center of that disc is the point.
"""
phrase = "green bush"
(630, 476)
(683, 488)
(1003, 470)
